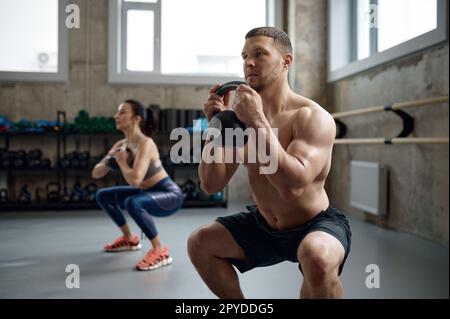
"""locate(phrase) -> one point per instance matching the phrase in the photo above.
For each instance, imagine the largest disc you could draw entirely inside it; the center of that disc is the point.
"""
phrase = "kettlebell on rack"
(39, 194)
(25, 195)
(53, 192)
(65, 197)
(83, 158)
(77, 192)
(46, 163)
(189, 190)
(89, 192)
(35, 154)
(3, 196)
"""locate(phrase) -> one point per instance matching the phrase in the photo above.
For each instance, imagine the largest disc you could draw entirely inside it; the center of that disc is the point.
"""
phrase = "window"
(367, 33)
(140, 28)
(403, 20)
(179, 41)
(34, 40)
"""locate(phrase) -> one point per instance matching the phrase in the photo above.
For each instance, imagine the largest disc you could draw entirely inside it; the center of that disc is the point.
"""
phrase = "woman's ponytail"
(152, 120)
(150, 116)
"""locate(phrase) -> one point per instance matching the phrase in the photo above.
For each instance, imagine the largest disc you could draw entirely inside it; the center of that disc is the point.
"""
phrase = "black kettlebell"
(189, 190)
(89, 192)
(92, 161)
(53, 192)
(227, 118)
(83, 156)
(39, 194)
(25, 195)
(64, 163)
(35, 154)
(65, 197)
(34, 163)
(112, 164)
(3, 195)
(46, 163)
(18, 163)
(77, 192)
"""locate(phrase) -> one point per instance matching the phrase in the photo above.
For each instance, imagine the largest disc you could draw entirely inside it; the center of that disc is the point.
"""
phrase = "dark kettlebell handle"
(227, 118)
(227, 87)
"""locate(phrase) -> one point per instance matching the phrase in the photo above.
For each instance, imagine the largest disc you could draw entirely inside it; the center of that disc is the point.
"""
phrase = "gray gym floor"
(36, 247)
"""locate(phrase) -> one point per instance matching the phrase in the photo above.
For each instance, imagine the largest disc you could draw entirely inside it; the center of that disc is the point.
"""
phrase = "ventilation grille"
(369, 187)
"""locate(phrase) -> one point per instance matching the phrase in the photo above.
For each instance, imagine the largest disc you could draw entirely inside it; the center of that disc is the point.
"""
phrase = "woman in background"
(150, 190)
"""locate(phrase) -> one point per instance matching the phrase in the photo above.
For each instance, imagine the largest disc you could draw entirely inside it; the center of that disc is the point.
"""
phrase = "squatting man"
(292, 218)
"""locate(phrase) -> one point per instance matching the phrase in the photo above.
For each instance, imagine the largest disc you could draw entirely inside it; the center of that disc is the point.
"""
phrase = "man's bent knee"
(199, 243)
(317, 263)
(317, 267)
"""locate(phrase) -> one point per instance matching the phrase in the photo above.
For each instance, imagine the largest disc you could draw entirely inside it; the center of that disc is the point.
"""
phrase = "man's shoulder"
(311, 112)
(311, 119)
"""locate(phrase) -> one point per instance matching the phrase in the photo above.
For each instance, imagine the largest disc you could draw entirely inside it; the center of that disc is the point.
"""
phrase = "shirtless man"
(292, 219)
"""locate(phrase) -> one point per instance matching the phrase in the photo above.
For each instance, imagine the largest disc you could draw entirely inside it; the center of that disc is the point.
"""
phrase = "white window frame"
(117, 71)
(342, 40)
(62, 74)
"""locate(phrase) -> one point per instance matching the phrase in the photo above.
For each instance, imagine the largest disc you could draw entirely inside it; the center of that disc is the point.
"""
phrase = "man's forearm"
(212, 176)
(215, 172)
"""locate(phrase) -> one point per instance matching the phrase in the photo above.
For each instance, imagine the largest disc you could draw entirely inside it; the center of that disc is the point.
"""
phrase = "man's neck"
(275, 99)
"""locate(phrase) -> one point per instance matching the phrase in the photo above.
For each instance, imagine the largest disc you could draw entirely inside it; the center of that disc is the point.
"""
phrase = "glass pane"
(364, 22)
(207, 36)
(29, 35)
(402, 20)
(140, 40)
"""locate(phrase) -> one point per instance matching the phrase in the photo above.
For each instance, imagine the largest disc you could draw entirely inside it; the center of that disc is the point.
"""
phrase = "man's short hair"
(280, 37)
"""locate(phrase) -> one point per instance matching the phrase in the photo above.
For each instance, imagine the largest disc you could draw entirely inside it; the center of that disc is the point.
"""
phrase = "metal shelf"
(16, 206)
(200, 204)
(89, 133)
(29, 170)
(19, 133)
(61, 173)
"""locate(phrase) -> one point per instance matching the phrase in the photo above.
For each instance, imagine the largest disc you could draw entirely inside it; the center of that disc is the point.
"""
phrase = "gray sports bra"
(153, 168)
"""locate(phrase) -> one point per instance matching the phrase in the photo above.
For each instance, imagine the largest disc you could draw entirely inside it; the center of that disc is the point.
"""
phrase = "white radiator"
(369, 187)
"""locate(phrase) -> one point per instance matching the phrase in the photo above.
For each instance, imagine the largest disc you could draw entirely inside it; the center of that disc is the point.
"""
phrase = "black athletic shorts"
(265, 246)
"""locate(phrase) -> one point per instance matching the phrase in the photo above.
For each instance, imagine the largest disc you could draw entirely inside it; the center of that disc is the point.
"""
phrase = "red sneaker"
(155, 258)
(123, 244)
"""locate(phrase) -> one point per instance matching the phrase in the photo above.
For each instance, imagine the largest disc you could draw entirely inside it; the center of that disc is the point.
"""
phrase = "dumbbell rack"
(85, 173)
(60, 174)
(174, 170)
(14, 205)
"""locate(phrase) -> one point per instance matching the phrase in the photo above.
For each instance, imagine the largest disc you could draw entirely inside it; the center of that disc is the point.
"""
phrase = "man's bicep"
(311, 157)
